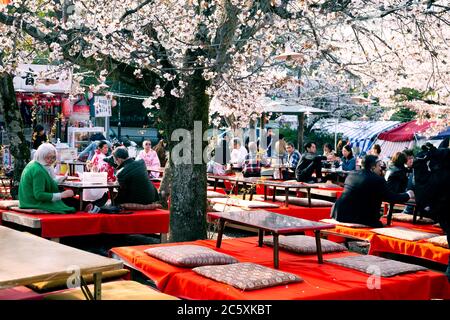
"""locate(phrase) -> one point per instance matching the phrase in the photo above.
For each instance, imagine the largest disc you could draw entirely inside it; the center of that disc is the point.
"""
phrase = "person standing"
(39, 137)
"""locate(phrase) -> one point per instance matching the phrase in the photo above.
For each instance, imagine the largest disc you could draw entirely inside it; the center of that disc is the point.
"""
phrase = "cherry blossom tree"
(184, 52)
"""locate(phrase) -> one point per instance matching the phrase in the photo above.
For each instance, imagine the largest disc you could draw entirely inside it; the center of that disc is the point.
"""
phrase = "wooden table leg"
(260, 237)
(265, 193)
(111, 191)
(98, 286)
(215, 184)
(308, 190)
(318, 246)
(275, 251)
(80, 194)
(245, 191)
(274, 193)
(286, 201)
(220, 232)
(414, 215)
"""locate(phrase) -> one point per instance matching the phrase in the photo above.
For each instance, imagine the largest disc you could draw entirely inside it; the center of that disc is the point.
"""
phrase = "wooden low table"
(27, 259)
(236, 179)
(287, 186)
(72, 165)
(275, 223)
(78, 187)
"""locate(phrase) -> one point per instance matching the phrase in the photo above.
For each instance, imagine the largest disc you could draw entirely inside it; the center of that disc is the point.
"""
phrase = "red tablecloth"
(379, 243)
(81, 223)
(321, 281)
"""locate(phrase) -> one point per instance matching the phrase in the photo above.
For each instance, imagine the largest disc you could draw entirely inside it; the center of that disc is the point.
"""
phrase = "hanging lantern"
(48, 102)
(113, 103)
(19, 99)
(28, 101)
(66, 107)
(56, 101)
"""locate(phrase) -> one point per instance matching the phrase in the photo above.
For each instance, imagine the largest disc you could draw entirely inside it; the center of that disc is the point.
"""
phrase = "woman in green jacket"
(38, 188)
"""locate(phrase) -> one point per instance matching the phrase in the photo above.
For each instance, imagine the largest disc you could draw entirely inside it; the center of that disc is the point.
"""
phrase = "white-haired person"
(150, 158)
(38, 188)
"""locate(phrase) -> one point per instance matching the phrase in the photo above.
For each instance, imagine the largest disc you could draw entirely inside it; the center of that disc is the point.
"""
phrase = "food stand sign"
(42, 78)
(102, 106)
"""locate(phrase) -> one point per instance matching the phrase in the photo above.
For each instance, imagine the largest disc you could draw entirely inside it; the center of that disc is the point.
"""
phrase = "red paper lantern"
(66, 107)
(56, 101)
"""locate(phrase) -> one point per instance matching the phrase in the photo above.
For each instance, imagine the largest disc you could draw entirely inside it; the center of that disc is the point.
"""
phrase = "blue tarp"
(443, 134)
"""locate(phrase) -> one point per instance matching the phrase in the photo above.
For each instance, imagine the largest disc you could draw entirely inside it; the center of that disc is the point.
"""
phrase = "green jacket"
(36, 190)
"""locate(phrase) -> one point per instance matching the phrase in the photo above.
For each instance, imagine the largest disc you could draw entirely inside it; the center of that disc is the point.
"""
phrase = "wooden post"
(300, 131)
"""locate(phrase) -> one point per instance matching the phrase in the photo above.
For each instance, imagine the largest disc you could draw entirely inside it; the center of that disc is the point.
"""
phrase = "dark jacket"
(361, 201)
(397, 179)
(135, 186)
(309, 163)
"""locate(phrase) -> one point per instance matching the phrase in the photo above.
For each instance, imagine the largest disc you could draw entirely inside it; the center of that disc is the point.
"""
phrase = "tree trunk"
(188, 192)
(19, 147)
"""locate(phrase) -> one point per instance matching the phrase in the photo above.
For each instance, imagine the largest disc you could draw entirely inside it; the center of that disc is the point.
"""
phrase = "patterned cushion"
(247, 276)
(404, 233)
(404, 217)
(304, 201)
(376, 265)
(305, 244)
(244, 203)
(30, 211)
(214, 194)
(345, 224)
(440, 241)
(7, 204)
(138, 206)
(190, 255)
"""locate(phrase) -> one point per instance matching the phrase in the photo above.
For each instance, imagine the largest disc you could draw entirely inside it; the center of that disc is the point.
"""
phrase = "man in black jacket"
(364, 191)
(135, 186)
(309, 163)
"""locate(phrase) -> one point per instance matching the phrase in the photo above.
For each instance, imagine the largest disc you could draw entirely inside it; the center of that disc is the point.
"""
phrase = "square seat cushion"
(345, 224)
(376, 265)
(440, 241)
(29, 211)
(7, 204)
(138, 206)
(247, 276)
(189, 255)
(244, 203)
(404, 217)
(116, 290)
(303, 202)
(215, 194)
(305, 244)
(404, 233)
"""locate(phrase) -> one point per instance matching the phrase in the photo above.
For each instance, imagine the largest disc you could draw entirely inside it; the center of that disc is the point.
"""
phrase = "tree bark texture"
(19, 147)
(188, 193)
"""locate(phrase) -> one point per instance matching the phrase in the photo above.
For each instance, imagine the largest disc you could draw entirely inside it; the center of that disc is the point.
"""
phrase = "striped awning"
(388, 148)
(361, 134)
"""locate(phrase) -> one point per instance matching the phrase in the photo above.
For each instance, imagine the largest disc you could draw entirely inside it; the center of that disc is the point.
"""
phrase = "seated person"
(135, 186)
(253, 162)
(329, 153)
(348, 160)
(150, 158)
(364, 190)
(293, 158)
(89, 151)
(309, 164)
(38, 188)
(238, 154)
(98, 197)
(397, 175)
